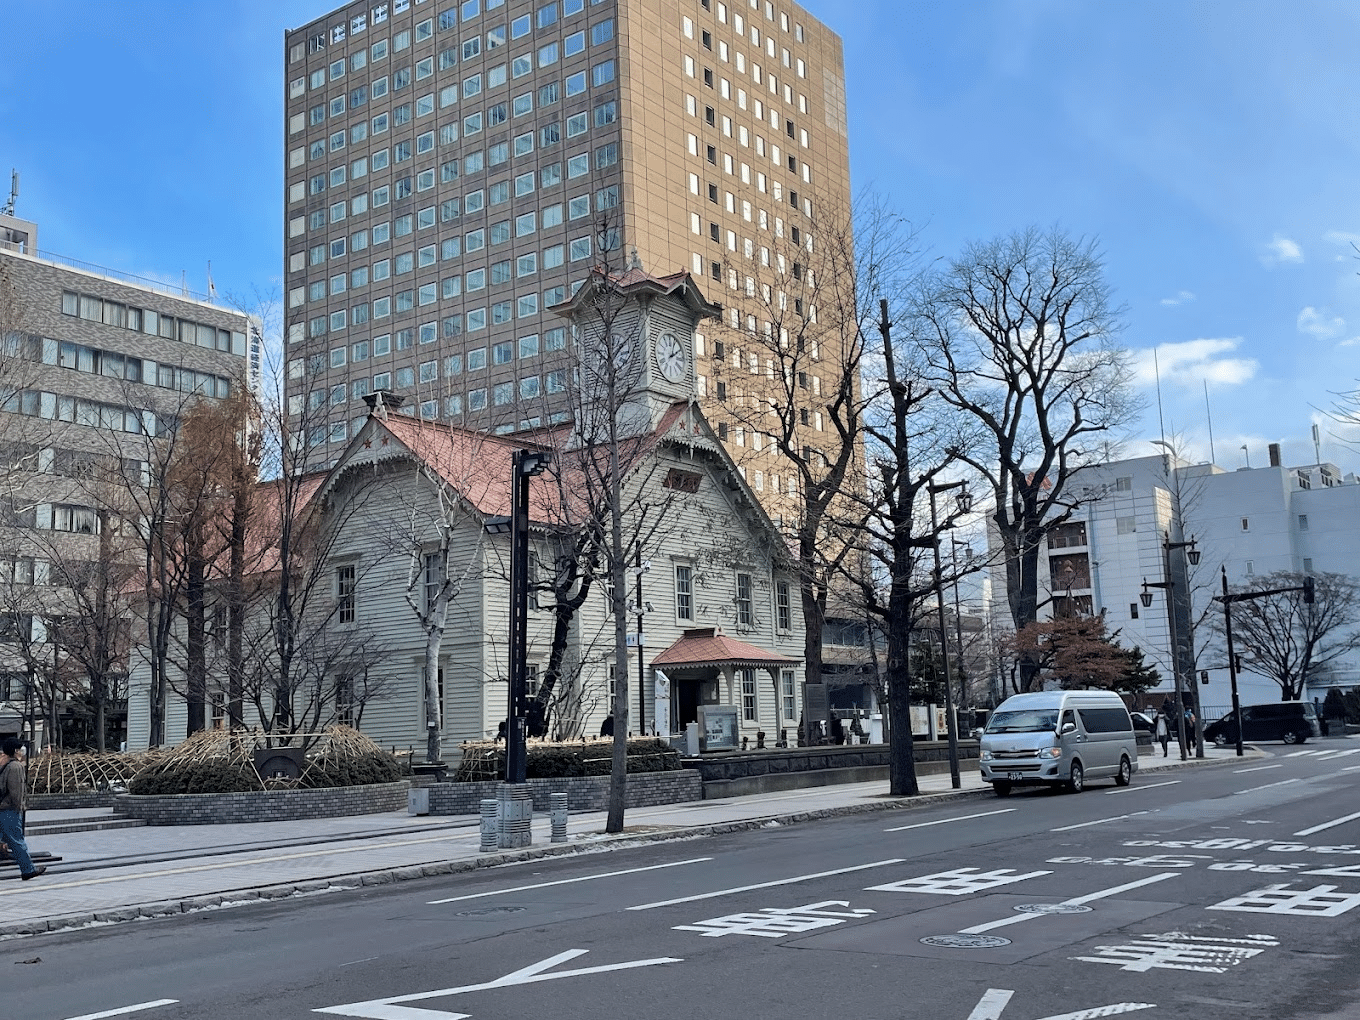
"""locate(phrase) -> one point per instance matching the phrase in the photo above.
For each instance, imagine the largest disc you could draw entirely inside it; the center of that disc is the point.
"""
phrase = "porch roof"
(709, 646)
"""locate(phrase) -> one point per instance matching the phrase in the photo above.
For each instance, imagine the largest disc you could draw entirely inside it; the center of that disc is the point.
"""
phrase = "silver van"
(1059, 738)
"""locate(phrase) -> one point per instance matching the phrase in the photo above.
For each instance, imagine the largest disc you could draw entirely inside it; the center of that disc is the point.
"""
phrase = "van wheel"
(1125, 776)
(1220, 739)
(1002, 789)
(1290, 737)
(1076, 781)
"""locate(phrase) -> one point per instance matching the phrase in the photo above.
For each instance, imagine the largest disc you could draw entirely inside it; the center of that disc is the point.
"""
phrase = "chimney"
(1274, 449)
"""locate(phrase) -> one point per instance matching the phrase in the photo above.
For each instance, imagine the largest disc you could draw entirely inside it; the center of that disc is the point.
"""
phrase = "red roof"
(709, 646)
(477, 464)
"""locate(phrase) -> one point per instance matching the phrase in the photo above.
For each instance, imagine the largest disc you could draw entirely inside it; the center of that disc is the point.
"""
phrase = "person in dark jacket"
(12, 790)
(607, 727)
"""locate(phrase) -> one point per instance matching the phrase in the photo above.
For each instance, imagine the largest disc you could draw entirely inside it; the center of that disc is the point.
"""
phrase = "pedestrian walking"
(607, 727)
(1162, 732)
(12, 788)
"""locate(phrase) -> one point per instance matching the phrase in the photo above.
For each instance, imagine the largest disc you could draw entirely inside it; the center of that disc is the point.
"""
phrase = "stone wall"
(69, 801)
(262, 805)
(746, 764)
(584, 793)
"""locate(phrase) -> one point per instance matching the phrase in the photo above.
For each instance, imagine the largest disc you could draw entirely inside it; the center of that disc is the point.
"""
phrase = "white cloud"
(1320, 324)
(1193, 363)
(1281, 249)
(1181, 298)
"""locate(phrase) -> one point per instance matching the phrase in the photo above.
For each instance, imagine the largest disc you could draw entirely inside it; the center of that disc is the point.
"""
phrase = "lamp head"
(1193, 555)
(964, 500)
(1146, 596)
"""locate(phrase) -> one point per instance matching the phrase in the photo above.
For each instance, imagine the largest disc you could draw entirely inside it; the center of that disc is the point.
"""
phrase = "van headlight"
(986, 756)
(1050, 752)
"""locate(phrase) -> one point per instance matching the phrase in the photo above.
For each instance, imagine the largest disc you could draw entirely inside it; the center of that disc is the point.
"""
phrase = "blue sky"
(1209, 147)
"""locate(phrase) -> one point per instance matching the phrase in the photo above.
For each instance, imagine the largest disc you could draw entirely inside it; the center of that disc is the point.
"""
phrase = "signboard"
(661, 706)
(816, 709)
(719, 729)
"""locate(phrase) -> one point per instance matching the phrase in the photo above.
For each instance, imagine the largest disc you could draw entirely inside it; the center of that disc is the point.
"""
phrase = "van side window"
(1105, 720)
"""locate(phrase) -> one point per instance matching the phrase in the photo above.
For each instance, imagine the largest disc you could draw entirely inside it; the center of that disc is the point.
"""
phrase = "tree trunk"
(195, 628)
(433, 709)
(902, 780)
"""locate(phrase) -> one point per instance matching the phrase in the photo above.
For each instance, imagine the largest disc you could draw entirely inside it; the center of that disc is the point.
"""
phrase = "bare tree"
(1022, 336)
(913, 440)
(1290, 640)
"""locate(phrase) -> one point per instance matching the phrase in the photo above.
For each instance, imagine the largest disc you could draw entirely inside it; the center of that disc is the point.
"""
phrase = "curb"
(363, 879)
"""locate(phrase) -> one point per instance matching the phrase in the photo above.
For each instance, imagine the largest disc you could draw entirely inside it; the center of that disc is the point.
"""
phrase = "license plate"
(1014, 777)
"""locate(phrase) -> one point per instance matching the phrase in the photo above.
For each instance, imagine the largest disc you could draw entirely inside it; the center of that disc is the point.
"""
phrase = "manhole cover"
(488, 911)
(1053, 908)
(965, 941)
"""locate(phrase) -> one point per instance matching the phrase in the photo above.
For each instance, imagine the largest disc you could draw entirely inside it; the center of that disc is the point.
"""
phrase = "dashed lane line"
(957, 818)
(124, 1010)
(1327, 825)
(766, 885)
(1098, 821)
(569, 881)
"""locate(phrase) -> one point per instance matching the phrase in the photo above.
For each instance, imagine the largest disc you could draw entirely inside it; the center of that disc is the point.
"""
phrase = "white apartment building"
(1249, 521)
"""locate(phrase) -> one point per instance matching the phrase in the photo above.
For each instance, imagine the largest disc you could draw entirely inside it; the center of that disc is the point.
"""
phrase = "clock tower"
(636, 336)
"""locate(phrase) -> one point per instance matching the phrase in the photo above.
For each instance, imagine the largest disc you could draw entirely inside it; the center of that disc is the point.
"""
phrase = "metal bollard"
(557, 808)
(516, 803)
(490, 830)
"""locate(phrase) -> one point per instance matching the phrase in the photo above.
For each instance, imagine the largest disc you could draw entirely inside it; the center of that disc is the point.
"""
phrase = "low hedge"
(552, 761)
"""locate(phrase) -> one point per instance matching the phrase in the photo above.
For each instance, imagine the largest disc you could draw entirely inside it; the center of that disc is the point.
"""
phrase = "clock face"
(671, 357)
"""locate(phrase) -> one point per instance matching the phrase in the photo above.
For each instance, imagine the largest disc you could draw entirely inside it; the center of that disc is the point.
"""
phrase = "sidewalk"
(114, 875)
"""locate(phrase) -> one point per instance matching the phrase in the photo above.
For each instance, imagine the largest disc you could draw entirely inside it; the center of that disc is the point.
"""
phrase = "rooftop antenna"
(1317, 444)
(1209, 414)
(8, 210)
(1246, 454)
(1157, 373)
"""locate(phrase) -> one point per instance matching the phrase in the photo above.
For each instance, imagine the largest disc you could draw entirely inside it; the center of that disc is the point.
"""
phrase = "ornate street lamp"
(964, 501)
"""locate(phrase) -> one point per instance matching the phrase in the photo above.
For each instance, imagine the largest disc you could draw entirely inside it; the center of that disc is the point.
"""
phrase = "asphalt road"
(1226, 892)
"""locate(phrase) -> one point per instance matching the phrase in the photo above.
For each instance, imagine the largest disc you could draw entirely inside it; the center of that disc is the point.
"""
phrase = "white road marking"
(1257, 768)
(1098, 821)
(766, 885)
(978, 929)
(1353, 768)
(994, 1000)
(1301, 754)
(944, 821)
(1283, 782)
(124, 1010)
(991, 1004)
(1319, 901)
(1141, 786)
(389, 1008)
(1327, 825)
(569, 881)
(1113, 1009)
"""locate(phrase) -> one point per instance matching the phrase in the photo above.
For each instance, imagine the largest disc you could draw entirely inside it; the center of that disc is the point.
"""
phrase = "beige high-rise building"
(453, 168)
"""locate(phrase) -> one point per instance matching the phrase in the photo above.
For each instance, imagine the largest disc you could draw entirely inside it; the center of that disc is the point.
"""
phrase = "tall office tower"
(94, 362)
(453, 169)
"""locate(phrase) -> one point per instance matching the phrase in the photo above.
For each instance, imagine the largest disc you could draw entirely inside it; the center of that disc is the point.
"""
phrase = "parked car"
(1291, 721)
(1143, 721)
(1058, 738)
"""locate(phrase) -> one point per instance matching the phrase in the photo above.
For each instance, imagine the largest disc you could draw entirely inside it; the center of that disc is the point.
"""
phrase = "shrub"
(553, 761)
(211, 775)
(355, 769)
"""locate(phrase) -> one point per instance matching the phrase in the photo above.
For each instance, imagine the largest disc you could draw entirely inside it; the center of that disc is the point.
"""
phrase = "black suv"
(1290, 721)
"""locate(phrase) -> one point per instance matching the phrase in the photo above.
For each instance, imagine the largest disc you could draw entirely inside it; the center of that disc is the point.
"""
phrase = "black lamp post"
(1193, 555)
(524, 465)
(965, 503)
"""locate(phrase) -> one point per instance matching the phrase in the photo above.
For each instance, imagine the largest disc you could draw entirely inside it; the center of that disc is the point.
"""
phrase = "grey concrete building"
(95, 364)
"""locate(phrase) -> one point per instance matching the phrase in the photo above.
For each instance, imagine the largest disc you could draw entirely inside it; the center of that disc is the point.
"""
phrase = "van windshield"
(1032, 721)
